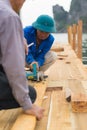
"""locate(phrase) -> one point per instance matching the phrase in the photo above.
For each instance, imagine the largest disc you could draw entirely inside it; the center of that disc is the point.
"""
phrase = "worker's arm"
(29, 57)
(29, 34)
(46, 47)
(26, 46)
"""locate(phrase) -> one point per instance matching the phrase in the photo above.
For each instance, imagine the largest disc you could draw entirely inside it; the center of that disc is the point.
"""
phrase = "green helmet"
(45, 23)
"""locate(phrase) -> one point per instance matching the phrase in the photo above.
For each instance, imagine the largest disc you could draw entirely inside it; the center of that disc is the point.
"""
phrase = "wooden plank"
(80, 99)
(84, 84)
(59, 115)
(63, 71)
(78, 119)
(42, 125)
(54, 88)
(58, 83)
(57, 49)
(8, 117)
(69, 67)
(79, 102)
(24, 120)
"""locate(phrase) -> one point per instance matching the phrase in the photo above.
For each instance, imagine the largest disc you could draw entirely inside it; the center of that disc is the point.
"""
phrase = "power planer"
(35, 75)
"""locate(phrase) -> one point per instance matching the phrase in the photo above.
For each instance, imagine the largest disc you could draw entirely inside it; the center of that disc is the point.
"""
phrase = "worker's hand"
(26, 46)
(34, 63)
(36, 111)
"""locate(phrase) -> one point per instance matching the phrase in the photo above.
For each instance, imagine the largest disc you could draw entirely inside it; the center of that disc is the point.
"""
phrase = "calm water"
(63, 38)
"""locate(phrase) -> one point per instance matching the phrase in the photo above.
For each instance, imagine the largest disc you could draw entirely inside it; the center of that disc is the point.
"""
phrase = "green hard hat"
(45, 23)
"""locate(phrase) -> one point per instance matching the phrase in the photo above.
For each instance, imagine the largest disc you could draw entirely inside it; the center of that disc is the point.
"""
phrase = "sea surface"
(62, 38)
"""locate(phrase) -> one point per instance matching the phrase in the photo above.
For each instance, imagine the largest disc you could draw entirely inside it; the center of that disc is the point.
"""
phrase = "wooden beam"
(28, 122)
(74, 31)
(57, 49)
(79, 34)
(79, 102)
(55, 88)
(70, 35)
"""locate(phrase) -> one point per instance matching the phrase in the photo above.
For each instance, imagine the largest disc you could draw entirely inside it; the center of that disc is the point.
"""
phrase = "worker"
(14, 90)
(39, 33)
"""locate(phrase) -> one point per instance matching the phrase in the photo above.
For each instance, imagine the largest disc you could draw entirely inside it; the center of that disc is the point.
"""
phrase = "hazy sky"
(33, 8)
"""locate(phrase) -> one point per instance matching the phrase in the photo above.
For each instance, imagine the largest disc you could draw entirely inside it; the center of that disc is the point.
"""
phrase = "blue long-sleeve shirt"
(37, 54)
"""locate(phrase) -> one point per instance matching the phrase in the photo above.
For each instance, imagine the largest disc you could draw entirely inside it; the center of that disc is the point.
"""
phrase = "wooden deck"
(67, 71)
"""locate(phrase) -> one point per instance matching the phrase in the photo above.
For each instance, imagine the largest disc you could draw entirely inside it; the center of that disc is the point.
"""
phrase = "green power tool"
(34, 74)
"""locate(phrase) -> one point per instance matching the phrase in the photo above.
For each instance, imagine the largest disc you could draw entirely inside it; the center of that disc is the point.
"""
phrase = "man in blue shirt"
(39, 35)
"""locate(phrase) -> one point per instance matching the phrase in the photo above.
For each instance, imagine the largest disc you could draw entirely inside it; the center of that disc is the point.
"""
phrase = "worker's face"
(17, 4)
(42, 35)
